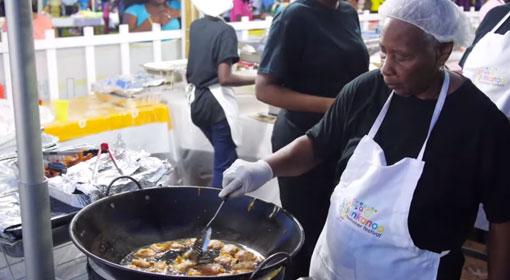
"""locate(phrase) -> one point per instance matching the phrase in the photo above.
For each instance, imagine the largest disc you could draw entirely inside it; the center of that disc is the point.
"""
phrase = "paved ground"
(474, 269)
(71, 265)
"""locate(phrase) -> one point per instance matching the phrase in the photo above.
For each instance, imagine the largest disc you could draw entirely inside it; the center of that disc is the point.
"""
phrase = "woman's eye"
(401, 58)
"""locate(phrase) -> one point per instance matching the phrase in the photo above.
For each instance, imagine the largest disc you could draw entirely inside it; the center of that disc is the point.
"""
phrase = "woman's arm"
(165, 16)
(131, 20)
(296, 158)
(174, 13)
(227, 78)
(499, 251)
(271, 92)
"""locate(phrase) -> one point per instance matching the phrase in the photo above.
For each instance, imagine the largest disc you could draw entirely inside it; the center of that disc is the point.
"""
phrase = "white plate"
(170, 65)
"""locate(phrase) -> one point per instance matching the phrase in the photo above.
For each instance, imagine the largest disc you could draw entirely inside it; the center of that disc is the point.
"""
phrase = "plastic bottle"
(55, 10)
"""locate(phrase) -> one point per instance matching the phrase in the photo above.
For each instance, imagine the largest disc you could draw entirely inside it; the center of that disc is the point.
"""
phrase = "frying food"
(172, 258)
(145, 253)
(161, 247)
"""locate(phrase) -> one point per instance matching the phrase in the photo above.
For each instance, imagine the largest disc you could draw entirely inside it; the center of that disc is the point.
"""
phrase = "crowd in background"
(262, 7)
(140, 14)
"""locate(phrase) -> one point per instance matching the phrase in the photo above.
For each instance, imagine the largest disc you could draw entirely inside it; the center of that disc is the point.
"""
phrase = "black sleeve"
(226, 47)
(329, 134)
(358, 24)
(495, 167)
(284, 45)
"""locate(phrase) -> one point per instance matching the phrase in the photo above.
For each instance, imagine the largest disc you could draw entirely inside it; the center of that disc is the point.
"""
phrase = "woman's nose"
(387, 67)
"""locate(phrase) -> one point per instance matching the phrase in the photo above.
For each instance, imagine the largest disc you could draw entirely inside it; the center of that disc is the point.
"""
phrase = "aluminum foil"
(79, 187)
(7, 129)
(9, 211)
(9, 197)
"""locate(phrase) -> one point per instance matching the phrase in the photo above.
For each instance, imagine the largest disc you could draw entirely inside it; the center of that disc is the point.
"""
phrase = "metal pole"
(35, 205)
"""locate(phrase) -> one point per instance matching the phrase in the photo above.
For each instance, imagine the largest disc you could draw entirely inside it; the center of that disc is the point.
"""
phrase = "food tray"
(172, 71)
(139, 100)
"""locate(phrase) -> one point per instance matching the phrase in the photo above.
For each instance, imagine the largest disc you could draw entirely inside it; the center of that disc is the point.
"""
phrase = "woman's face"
(410, 58)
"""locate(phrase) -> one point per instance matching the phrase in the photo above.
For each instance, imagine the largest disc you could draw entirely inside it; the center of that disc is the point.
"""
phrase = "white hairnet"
(213, 7)
(440, 18)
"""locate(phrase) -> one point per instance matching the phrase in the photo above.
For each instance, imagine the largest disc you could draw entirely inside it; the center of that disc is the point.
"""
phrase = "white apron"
(366, 235)
(228, 102)
(488, 66)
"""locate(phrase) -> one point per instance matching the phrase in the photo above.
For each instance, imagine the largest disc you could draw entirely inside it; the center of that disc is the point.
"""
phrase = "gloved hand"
(244, 177)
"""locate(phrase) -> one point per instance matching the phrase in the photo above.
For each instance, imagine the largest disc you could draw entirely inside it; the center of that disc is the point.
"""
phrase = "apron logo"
(361, 215)
(490, 76)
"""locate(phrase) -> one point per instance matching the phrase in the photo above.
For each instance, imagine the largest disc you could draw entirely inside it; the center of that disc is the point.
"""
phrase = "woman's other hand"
(165, 16)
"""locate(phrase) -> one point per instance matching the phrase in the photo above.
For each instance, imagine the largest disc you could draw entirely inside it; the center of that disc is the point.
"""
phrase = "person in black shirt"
(486, 61)
(213, 50)
(492, 18)
(418, 148)
(492, 53)
(314, 48)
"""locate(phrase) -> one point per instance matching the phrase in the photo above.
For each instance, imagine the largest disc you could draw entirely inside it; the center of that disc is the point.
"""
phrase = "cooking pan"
(111, 228)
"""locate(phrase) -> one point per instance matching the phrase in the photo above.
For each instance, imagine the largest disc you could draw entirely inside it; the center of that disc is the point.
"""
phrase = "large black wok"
(109, 229)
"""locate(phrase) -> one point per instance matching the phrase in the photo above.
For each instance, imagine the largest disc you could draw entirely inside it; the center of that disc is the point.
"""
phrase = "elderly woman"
(419, 148)
(140, 17)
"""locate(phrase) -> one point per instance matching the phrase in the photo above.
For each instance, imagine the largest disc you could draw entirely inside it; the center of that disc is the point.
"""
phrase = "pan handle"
(122, 177)
(283, 255)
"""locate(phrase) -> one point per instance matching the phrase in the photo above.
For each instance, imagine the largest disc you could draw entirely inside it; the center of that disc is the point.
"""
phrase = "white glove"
(244, 177)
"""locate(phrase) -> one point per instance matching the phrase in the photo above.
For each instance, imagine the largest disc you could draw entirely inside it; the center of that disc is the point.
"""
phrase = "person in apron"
(314, 48)
(486, 63)
(418, 148)
(489, 5)
(213, 50)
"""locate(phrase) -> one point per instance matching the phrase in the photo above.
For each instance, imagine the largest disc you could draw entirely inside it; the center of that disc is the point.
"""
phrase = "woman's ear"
(444, 50)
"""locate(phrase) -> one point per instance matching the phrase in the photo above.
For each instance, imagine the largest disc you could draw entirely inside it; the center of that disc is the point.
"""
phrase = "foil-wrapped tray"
(78, 187)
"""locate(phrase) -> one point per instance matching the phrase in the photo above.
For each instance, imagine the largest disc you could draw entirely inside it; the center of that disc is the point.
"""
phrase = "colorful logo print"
(361, 215)
(490, 76)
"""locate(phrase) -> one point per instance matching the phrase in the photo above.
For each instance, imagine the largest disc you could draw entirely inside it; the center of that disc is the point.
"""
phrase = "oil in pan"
(172, 258)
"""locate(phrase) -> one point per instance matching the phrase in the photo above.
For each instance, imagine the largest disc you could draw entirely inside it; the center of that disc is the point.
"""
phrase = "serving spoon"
(202, 241)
